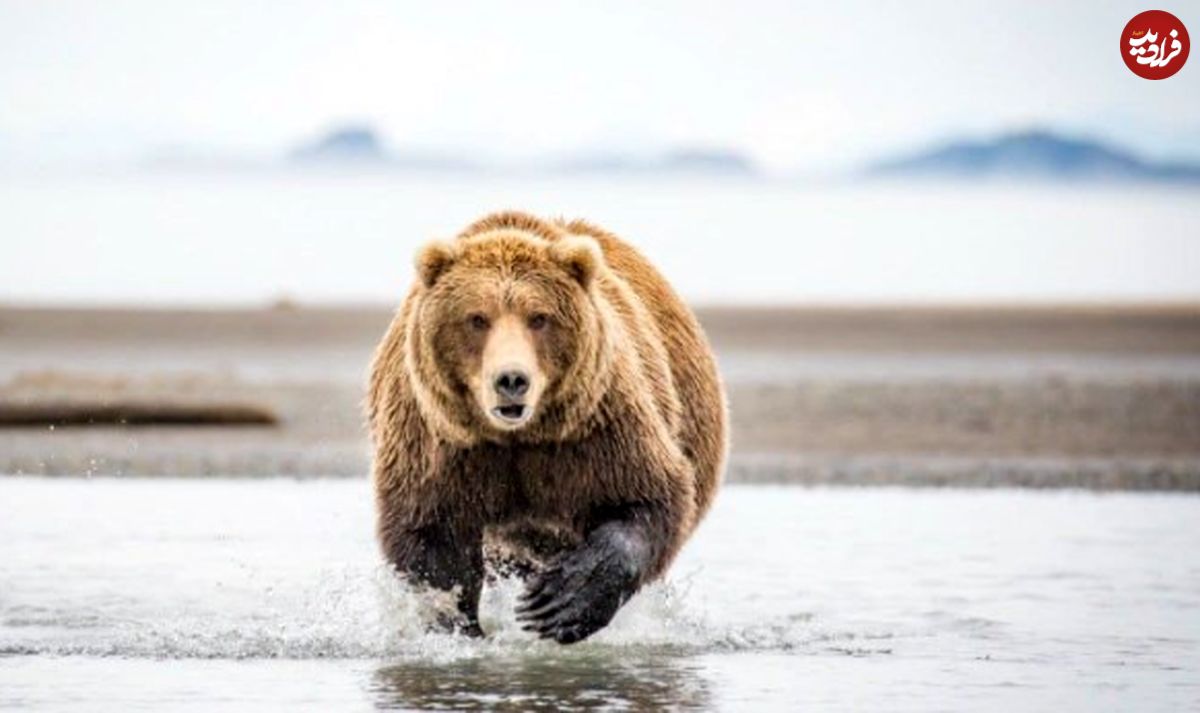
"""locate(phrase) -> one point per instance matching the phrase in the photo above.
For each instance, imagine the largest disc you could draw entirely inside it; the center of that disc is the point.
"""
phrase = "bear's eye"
(538, 322)
(478, 322)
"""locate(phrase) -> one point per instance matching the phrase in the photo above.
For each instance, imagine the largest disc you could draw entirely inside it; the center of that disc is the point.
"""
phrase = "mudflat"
(1042, 396)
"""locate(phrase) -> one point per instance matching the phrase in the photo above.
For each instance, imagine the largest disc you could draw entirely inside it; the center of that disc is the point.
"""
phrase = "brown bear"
(544, 392)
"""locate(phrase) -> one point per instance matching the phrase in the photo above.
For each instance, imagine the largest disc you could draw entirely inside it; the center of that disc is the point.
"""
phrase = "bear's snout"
(511, 383)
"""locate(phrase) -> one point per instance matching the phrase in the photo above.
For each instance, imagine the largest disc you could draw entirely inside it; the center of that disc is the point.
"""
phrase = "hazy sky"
(798, 85)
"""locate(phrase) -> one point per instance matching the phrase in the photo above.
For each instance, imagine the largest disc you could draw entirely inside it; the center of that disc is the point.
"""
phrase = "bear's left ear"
(580, 256)
(433, 260)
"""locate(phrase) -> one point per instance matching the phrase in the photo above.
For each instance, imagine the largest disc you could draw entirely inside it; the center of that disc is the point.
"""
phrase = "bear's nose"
(512, 383)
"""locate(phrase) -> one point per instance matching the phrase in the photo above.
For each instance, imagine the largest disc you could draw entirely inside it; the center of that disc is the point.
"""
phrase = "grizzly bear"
(542, 396)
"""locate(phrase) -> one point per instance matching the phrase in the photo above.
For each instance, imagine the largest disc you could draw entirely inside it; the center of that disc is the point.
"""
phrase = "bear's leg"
(523, 550)
(581, 591)
(444, 558)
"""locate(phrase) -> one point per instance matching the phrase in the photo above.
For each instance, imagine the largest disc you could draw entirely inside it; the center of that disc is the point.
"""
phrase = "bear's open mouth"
(510, 412)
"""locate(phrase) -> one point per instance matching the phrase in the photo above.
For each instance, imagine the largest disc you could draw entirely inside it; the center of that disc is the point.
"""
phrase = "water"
(228, 237)
(265, 595)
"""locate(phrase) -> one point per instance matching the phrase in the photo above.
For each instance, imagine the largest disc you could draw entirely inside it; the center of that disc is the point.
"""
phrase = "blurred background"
(933, 244)
(234, 154)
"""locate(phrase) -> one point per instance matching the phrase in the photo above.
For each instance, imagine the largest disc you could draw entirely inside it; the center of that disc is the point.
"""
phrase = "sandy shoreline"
(1087, 397)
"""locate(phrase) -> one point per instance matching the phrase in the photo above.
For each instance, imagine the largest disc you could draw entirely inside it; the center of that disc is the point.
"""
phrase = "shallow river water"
(261, 595)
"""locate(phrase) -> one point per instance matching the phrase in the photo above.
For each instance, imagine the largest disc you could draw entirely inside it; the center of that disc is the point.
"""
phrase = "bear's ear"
(580, 256)
(433, 260)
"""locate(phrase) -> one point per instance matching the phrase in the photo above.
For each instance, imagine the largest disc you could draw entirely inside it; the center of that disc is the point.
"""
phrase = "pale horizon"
(797, 89)
(143, 147)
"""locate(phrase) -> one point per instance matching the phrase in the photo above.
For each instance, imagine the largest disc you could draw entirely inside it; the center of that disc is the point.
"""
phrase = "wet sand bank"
(1087, 397)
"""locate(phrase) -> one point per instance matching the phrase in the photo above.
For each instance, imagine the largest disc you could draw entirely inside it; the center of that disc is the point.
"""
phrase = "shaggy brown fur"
(617, 464)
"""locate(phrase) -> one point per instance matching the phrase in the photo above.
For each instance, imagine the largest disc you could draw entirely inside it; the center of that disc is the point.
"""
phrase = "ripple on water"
(842, 599)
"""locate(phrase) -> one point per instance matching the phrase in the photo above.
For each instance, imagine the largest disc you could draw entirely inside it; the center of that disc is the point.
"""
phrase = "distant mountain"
(708, 161)
(362, 146)
(1033, 155)
(355, 144)
(680, 161)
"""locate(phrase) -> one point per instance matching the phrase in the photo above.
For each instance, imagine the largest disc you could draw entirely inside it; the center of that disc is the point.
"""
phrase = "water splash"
(355, 613)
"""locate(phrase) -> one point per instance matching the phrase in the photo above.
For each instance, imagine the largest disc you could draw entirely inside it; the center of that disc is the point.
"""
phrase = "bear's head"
(506, 337)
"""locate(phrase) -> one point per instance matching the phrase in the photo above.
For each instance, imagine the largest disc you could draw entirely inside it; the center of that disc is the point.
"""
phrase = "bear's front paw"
(449, 624)
(582, 590)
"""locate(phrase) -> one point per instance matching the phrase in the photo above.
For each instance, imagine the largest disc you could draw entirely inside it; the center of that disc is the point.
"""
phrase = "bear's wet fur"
(616, 461)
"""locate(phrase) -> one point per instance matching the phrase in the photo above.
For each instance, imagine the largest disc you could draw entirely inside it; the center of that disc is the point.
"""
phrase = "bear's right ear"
(433, 260)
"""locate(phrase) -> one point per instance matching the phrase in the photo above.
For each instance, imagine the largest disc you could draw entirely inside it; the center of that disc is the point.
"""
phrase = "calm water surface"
(259, 595)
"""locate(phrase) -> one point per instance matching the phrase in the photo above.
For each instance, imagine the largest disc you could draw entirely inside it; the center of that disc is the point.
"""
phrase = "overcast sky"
(800, 86)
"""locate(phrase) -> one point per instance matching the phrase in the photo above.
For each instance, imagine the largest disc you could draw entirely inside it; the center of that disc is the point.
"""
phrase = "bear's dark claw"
(582, 592)
(540, 590)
